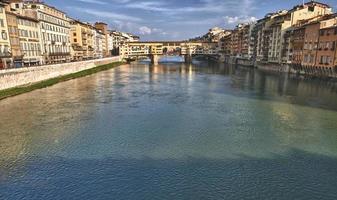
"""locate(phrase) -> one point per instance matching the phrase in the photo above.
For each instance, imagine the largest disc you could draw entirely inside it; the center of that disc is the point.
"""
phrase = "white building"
(99, 44)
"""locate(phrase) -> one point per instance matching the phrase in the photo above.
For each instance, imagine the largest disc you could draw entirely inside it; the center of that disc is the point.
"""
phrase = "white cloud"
(93, 1)
(238, 19)
(105, 14)
(149, 6)
(210, 6)
(144, 30)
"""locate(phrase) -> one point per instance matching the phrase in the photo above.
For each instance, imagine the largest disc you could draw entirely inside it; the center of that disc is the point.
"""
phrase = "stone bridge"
(155, 49)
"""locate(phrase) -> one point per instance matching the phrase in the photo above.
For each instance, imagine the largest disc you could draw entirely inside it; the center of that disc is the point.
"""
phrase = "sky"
(172, 19)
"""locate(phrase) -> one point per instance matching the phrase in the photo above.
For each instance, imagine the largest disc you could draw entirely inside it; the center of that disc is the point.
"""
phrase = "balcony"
(5, 55)
(59, 54)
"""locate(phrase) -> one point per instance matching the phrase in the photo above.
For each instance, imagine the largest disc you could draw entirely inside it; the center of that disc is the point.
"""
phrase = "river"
(172, 131)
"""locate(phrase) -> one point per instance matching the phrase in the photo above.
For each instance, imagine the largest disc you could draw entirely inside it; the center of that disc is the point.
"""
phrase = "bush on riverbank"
(28, 88)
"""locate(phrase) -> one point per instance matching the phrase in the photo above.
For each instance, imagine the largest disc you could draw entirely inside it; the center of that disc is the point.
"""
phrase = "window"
(75, 40)
(311, 59)
(2, 23)
(4, 35)
(333, 46)
(6, 49)
(321, 32)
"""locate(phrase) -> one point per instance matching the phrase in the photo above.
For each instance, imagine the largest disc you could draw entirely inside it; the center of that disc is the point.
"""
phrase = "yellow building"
(82, 39)
(13, 32)
(29, 40)
(5, 51)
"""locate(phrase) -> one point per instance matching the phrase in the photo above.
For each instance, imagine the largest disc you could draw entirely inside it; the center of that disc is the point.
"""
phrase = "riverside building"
(30, 41)
(103, 27)
(54, 30)
(284, 20)
(82, 37)
(99, 41)
(13, 32)
(5, 51)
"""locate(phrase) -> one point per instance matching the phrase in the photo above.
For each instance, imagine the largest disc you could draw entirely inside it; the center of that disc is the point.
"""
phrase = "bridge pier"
(154, 59)
(188, 58)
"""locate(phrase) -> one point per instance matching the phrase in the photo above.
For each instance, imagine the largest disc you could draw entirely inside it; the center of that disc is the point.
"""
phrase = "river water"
(172, 131)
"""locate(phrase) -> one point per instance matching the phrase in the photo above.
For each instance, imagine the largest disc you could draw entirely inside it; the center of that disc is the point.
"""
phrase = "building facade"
(5, 50)
(99, 41)
(54, 30)
(326, 53)
(30, 40)
(82, 38)
(103, 27)
(13, 32)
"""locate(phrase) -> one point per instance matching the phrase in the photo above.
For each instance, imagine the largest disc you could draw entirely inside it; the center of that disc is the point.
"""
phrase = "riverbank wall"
(12, 78)
(319, 72)
(273, 67)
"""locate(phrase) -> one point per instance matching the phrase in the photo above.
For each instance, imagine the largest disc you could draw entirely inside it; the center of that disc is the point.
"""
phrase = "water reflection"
(202, 113)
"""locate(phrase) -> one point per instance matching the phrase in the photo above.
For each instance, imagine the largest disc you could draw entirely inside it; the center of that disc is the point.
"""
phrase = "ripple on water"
(171, 132)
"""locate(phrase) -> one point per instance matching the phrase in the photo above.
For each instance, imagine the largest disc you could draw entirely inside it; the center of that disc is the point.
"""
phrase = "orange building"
(326, 53)
(310, 47)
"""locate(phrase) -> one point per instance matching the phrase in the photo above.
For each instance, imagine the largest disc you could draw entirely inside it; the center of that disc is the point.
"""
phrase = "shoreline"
(283, 69)
(50, 82)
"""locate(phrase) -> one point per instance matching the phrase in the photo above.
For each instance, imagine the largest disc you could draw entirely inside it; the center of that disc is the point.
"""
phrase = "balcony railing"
(59, 54)
(5, 55)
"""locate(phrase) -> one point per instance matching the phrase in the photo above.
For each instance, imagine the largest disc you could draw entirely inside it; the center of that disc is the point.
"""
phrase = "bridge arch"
(154, 50)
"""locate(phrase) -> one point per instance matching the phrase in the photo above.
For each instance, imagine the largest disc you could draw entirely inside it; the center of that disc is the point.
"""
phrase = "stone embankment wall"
(23, 76)
(284, 68)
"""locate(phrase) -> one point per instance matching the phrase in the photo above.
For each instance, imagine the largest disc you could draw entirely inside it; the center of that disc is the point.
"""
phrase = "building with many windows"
(103, 28)
(99, 44)
(82, 39)
(5, 51)
(54, 30)
(284, 21)
(13, 32)
(30, 40)
(327, 42)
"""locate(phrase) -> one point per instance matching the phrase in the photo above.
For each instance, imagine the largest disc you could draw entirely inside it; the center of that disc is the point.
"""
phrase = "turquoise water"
(172, 131)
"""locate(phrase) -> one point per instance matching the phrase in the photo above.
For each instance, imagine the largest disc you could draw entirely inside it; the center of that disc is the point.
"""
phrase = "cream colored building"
(54, 30)
(30, 41)
(117, 40)
(82, 39)
(5, 51)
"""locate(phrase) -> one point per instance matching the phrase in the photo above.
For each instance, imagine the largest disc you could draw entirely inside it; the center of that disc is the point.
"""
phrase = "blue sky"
(172, 19)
